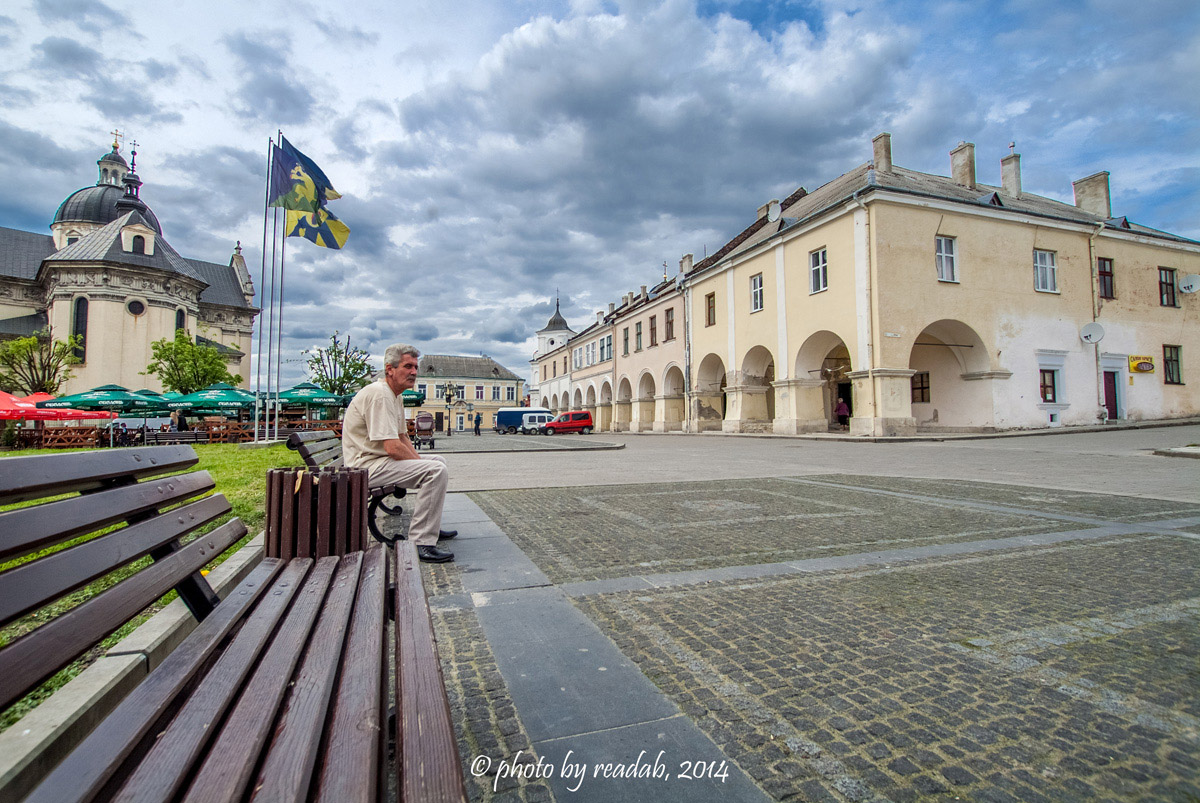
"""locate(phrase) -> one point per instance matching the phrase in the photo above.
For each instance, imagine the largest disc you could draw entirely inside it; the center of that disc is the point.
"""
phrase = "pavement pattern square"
(577, 534)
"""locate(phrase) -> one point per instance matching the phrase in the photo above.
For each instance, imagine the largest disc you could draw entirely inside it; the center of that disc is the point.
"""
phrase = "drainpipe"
(876, 401)
(689, 412)
(1095, 273)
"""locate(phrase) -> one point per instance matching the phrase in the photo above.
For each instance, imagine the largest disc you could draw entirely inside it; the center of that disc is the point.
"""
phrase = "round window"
(135, 307)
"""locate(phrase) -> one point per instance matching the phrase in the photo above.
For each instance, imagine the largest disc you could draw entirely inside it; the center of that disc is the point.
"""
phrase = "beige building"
(592, 371)
(940, 304)
(650, 360)
(480, 384)
(106, 272)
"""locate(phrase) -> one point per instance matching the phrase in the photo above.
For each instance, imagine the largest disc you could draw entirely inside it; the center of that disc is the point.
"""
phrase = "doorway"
(1110, 395)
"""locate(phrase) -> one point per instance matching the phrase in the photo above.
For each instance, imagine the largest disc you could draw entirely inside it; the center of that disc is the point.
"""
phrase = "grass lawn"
(239, 473)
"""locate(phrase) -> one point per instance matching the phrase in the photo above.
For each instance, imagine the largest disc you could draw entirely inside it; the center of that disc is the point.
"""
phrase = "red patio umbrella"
(62, 414)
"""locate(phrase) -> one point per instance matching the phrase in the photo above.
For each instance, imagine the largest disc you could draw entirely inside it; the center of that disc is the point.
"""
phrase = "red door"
(1110, 394)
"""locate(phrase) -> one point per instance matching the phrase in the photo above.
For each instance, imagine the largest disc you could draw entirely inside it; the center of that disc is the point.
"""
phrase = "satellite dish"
(1190, 283)
(1091, 333)
(774, 210)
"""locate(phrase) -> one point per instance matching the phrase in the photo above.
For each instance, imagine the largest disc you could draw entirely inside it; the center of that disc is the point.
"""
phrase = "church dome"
(97, 205)
(114, 157)
(557, 322)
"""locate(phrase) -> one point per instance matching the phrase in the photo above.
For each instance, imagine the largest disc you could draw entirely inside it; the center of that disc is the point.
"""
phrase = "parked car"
(532, 423)
(508, 419)
(573, 421)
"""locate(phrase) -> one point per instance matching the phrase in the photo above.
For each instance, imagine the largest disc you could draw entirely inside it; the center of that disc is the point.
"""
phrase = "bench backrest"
(97, 514)
(317, 448)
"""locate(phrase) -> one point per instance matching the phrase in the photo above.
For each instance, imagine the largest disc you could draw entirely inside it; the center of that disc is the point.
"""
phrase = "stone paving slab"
(1111, 508)
(619, 531)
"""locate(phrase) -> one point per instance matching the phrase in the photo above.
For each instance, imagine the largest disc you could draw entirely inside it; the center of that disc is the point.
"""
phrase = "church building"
(105, 272)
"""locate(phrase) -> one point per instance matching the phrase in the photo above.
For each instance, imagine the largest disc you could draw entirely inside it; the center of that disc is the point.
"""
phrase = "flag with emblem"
(320, 227)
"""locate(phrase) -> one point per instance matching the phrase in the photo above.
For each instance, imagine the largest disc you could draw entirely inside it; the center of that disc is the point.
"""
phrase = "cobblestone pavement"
(489, 441)
(1033, 670)
(1068, 671)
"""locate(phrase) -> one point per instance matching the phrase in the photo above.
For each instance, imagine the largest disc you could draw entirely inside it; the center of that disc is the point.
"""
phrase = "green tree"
(38, 363)
(339, 368)
(185, 366)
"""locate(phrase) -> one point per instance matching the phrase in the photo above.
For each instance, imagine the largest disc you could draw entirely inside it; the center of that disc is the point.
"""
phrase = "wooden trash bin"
(316, 512)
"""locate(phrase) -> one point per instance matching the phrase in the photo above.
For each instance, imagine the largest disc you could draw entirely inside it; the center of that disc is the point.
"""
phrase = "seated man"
(375, 437)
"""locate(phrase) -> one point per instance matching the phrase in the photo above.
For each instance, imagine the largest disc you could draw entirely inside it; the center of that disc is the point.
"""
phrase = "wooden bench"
(323, 449)
(187, 436)
(280, 693)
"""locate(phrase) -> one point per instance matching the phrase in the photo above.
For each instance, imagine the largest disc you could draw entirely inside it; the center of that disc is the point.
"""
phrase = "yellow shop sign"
(1141, 365)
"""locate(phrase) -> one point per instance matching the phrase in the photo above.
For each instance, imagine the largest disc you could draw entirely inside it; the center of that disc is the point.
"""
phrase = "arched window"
(139, 244)
(180, 319)
(79, 327)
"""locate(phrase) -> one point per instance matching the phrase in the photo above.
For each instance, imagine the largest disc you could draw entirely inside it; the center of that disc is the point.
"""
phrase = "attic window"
(991, 199)
(139, 244)
(1118, 222)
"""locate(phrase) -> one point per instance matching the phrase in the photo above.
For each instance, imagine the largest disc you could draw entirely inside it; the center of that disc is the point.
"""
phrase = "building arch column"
(882, 402)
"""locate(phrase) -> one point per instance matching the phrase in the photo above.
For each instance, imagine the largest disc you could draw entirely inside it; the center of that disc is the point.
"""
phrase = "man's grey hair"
(394, 352)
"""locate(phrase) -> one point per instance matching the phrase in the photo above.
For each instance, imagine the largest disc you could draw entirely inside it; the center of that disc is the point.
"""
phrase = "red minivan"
(580, 422)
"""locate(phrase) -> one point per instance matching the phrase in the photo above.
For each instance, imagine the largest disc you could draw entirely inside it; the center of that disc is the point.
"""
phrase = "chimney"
(611, 308)
(600, 316)
(1091, 194)
(762, 211)
(685, 264)
(1010, 174)
(643, 291)
(882, 146)
(962, 164)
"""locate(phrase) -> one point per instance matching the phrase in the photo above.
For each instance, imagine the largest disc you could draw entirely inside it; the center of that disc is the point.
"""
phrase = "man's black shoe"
(431, 554)
(444, 535)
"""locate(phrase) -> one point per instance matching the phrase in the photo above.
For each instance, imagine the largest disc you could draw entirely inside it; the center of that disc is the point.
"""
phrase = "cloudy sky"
(492, 153)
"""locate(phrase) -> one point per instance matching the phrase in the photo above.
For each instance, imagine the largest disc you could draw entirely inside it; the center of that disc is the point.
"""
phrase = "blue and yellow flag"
(296, 181)
(319, 227)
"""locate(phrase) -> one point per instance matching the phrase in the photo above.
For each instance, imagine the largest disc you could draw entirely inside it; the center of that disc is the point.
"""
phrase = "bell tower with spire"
(555, 333)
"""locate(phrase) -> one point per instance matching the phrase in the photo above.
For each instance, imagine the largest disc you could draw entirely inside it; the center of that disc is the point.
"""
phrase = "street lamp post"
(448, 392)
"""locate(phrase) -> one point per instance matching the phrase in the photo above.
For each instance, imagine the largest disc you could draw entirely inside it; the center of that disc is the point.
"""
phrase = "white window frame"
(756, 292)
(818, 271)
(496, 392)
(577, 354)
(1045, 271)
(479, 393)
(1056, 361)
(946, 254)
(510, 393)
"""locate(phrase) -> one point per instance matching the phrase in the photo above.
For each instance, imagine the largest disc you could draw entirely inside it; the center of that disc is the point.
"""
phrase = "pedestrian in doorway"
(842, 411)
(478, 421)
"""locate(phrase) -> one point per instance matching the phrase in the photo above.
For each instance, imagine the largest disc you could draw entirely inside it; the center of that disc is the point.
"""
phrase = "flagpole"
(262, 286)
(279, 353)
(271, 329)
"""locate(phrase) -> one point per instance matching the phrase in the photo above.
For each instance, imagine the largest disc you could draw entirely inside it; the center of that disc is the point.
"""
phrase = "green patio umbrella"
(218, 396)
(307, 393)
(113, 398)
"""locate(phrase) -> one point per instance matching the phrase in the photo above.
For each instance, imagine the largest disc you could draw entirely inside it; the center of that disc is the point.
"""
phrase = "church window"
(180, 319)
(135, 307)
(139, 244)
(79, 327)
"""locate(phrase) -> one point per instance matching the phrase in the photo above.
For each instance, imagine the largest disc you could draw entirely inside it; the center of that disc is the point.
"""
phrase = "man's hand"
(401, 448)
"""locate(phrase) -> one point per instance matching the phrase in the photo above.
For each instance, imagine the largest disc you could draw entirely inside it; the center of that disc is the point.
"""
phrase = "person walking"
(478, 421)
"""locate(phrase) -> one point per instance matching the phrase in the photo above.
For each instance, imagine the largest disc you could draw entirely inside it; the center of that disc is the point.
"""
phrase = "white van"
(531, 423)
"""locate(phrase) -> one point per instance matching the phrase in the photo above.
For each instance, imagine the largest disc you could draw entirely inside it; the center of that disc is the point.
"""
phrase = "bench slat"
(82, 774)
(317, 454)
(288, 770)
(428, 768)
(307, 436)
(29, 529)
(229, 766)
(32, 585)
(25, 478)
(36, 656)
(166, 766)
(349, 771)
